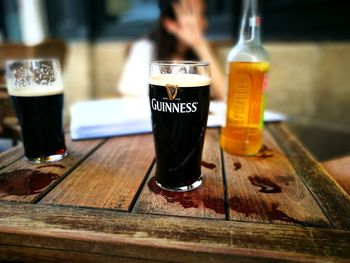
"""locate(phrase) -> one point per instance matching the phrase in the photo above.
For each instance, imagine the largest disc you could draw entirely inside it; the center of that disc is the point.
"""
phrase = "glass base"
(47, 159)
(186, 188)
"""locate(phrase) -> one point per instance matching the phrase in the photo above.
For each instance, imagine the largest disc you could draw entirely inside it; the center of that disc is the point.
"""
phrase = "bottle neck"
(250, 24)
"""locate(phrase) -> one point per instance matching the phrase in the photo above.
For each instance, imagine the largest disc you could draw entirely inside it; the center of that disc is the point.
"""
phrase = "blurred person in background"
(179, 36)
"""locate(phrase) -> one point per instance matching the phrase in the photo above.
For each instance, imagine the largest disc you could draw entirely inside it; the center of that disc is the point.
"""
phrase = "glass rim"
(180, 63)
(28, 60)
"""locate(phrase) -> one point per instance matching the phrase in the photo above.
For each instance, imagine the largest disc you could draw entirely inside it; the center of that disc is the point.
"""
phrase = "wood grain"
(206, 201)
(339, 169)
(332, 198)
(265, 188)
(99, 232)
(26, 182)
(32, 254)
(110, 177)
(10, 156)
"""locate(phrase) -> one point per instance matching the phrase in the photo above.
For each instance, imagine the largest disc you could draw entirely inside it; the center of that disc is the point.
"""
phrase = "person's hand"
(190, 22)
(189, 29)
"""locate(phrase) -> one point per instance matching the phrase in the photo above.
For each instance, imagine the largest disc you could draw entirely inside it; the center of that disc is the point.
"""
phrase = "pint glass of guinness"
(36, 90)
(179, 99)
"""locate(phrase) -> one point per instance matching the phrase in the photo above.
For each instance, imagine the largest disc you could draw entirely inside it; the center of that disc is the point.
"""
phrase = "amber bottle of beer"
(247, 69)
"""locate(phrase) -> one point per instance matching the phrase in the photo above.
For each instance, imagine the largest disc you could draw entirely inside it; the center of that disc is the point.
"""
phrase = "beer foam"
(34, 91)
(181, 80)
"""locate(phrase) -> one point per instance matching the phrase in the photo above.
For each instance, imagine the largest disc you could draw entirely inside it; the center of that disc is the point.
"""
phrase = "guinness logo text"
(174, 107)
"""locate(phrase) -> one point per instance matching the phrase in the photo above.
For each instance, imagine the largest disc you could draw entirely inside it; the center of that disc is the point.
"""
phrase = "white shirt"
(135, 74)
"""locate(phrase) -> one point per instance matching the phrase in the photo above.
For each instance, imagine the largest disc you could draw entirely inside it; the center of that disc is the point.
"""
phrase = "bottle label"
(239, 98)
(265, 82)
(245, 101)
(254, 21)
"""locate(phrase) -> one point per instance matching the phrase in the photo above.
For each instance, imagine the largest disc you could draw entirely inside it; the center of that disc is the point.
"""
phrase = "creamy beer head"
(180, 80)
(35, 91)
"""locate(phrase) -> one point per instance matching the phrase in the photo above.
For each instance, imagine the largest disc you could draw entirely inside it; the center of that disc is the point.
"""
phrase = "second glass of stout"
(36, 90)
(179, 99)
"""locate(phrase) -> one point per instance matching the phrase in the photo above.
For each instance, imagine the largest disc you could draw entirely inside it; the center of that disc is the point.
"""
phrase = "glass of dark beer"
(179, 99)
(36, 90)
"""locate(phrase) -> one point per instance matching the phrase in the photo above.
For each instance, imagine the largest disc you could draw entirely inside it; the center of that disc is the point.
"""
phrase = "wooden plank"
(33, 254)
(10, 156)
(176, 239)
(265, 188)
(206, 201)
(26, 182)
(110, 177)
(333, 199)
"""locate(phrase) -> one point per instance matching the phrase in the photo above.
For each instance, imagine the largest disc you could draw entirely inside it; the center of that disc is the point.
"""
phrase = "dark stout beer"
(40, 116)
(179, 105)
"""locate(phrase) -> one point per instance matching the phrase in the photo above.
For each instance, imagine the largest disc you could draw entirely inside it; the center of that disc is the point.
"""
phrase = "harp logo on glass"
(172, 91)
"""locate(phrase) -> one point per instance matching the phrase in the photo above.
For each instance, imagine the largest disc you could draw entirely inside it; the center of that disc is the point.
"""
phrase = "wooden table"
(100, 204)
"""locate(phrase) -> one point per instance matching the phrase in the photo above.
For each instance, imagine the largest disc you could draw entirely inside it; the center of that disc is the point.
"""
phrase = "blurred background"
(308, 42)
